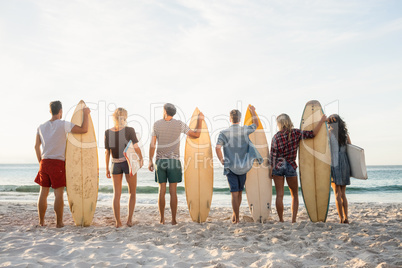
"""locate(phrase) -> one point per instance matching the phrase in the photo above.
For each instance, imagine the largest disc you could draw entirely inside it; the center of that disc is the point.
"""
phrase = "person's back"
(167, 133)
(53, 135)
(116, 140)
(236, 142)
(240, 155)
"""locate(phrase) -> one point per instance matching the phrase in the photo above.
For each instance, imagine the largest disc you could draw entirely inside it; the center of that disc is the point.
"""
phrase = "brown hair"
(170, 109)
(55, 107)
(338, 128)
(235, 115)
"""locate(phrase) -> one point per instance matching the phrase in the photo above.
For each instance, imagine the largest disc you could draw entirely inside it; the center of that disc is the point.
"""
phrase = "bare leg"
(161, 202)
(132, 188)
(239, 202)
(279, 188)
(294, 191)
(173, 201)
(117, 185)
(236, 206)
(338, 201)
(42, 204)
(345, 204)
(59, 206)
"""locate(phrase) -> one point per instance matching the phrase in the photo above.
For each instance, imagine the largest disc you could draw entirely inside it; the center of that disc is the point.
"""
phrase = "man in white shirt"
(52, 135)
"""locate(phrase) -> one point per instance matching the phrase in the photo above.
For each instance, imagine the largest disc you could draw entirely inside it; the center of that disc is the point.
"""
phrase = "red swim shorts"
(52, 173)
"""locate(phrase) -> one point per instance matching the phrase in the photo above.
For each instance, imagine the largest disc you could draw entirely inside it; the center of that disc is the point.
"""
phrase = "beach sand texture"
(373, 239)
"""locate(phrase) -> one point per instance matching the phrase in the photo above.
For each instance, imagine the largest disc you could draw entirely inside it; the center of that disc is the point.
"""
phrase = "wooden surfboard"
(315, 164)
(82, 170)
(258, 183)
(198, 172)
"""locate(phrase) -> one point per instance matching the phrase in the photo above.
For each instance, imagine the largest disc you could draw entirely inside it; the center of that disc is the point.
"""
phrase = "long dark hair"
(339, 129)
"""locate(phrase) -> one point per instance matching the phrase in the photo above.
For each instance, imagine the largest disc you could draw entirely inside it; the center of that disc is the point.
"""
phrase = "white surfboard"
(258, 183)
(132, 158)
(357, 162)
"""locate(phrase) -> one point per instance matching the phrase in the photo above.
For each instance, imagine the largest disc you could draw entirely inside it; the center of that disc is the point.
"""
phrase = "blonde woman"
(116, 140)
(284, 147)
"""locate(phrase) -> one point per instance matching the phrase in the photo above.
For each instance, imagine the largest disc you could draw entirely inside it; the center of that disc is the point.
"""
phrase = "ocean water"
(384, 185)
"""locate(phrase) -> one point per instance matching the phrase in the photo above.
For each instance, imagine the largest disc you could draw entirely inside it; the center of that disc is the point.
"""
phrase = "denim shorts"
(120, 168)
(285, 170)
(236, 182)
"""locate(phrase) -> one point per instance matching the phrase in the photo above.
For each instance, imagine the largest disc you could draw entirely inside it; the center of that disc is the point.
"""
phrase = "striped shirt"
(168, 136)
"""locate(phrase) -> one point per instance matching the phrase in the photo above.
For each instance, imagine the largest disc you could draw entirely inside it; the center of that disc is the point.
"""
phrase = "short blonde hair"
(120, 117)
(284, 123)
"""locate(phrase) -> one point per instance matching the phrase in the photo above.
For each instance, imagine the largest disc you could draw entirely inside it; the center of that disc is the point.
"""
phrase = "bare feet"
(235, 220)
(60, 225)
(118, 224)
(130, 223)
(174, 222)
(346, 221)
(162, 221)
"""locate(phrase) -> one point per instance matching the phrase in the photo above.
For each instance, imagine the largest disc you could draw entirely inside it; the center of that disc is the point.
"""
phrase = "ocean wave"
(181, 190)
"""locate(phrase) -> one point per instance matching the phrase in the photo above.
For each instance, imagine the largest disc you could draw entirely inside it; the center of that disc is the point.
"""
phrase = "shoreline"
(372, 239)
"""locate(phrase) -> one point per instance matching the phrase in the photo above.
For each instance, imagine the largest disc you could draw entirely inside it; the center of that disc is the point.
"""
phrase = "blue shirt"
(239, 152)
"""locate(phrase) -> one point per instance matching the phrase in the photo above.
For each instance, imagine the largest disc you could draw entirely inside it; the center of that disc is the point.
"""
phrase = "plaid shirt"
(284, 149)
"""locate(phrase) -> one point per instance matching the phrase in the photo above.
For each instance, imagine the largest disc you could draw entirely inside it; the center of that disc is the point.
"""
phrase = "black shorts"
(120, 168)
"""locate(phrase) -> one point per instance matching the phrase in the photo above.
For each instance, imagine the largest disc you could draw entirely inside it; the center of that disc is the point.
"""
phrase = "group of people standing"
(238, 156)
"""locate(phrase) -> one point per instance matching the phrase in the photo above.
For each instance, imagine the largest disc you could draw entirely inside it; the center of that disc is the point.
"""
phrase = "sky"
(214, 55)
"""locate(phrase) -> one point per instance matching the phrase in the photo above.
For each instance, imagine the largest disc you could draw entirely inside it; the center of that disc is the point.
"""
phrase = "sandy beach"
(372, 239)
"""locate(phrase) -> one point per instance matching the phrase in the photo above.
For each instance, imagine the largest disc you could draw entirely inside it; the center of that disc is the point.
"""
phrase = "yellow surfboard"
(82, 170)
(315, 164)
(258, 183)
(198, 172)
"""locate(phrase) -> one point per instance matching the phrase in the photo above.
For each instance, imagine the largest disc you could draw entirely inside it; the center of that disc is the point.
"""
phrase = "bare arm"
(218, 150)
(255, 118)
(139, 153)
(152, 147)
(318, 126)
(84, 128)
(37, 148)
(107, 158)
(197, 131)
